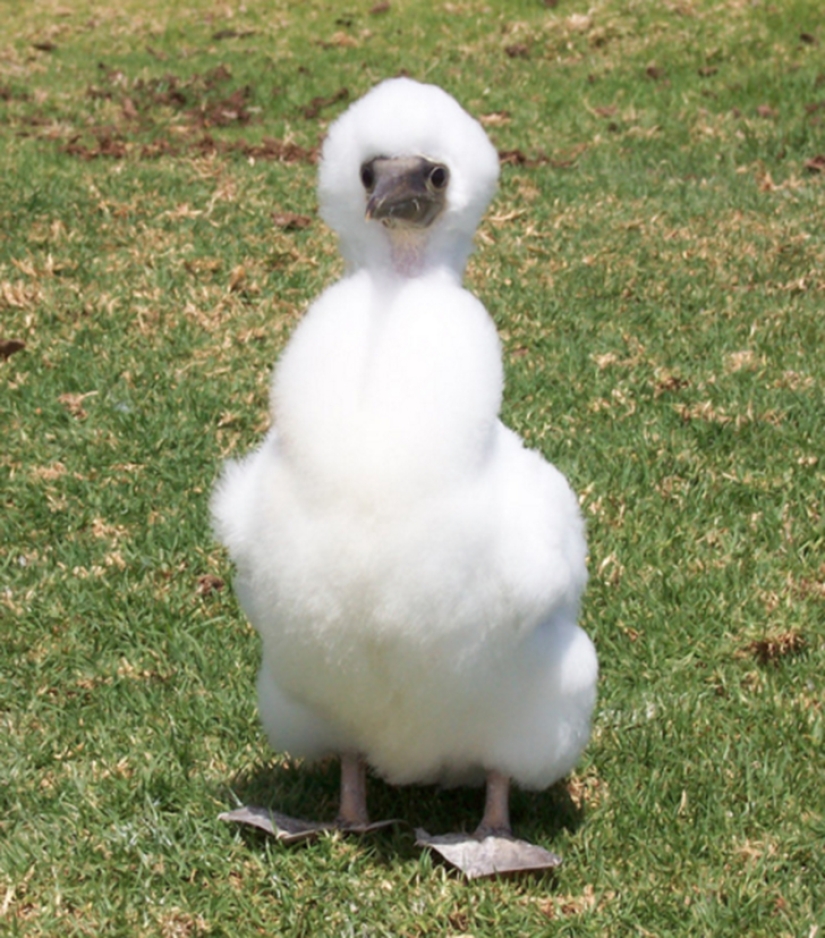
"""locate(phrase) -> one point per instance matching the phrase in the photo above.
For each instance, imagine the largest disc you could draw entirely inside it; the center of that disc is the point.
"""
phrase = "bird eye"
(439, 176)
(367, 176)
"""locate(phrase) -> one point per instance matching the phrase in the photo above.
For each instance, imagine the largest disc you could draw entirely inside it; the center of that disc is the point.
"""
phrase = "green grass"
(655, 261)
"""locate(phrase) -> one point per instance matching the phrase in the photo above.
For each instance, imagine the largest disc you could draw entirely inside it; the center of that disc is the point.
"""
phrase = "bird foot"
(488, 853)
(477, 855)
(290, 830)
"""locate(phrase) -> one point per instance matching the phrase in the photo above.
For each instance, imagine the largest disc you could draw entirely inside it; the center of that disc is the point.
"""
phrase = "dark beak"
(405, 192)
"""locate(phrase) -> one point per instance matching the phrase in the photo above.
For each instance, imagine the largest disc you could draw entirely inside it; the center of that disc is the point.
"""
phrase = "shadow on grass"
(311, 792)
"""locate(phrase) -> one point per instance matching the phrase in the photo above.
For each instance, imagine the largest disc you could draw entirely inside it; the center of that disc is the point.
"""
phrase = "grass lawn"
(655, 262)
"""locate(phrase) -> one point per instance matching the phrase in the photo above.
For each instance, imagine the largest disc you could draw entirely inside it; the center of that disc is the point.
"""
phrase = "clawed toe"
(288, 830)
(292, 830)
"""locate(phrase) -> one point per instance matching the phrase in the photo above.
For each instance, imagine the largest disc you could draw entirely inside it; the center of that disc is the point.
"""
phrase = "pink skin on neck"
(408, 250)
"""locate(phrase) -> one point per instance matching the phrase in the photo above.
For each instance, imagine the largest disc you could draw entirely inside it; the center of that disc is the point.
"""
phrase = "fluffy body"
(413, 571)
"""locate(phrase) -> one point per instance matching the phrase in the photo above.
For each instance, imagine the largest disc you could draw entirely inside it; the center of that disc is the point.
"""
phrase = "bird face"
(408, 192)
(405, 177)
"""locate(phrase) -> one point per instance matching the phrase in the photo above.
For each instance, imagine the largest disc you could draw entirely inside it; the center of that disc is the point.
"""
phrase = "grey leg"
(496, 818)
(353, 808)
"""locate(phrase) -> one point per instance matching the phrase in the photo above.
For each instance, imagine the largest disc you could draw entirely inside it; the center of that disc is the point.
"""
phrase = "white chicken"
(413, 571)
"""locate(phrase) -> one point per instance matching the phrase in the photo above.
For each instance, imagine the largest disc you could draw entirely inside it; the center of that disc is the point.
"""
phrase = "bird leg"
(496, 818)
(492, 849)
(352, 811)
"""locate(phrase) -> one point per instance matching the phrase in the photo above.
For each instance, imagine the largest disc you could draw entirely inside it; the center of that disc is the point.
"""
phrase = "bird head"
(405, 177)
(405, 191)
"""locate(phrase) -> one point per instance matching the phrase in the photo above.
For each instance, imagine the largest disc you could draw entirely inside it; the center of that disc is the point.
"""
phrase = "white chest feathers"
(389, 388)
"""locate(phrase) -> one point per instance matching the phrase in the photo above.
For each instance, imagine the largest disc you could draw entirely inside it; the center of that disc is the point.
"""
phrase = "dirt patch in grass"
(169, 115)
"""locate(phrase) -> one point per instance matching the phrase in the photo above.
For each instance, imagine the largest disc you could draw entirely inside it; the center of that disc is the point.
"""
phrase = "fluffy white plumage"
(413, 571)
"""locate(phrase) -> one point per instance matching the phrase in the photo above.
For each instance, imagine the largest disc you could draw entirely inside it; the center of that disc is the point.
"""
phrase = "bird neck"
(408, 251)
(414, 252)
(402, 254)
